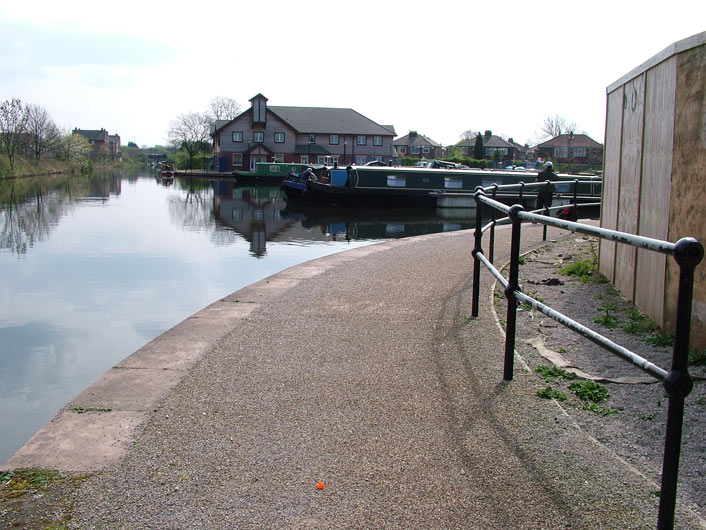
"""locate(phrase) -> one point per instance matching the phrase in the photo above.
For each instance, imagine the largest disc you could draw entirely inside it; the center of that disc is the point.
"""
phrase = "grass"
(638, 323)
(21, 481)
(697, 357)
(661, 339)
(608, 317)
(590, 391)
(550, 373)
(550, 393)
(601, 411)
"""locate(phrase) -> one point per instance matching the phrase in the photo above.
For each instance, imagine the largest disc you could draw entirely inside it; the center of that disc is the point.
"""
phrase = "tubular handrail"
(687, 252)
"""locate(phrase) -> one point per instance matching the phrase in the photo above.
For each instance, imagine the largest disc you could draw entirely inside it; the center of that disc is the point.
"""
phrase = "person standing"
(545, 193)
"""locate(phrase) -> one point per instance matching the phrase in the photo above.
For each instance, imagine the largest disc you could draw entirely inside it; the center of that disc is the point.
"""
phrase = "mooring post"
(678, 382)
(478, 248)
(512, 286)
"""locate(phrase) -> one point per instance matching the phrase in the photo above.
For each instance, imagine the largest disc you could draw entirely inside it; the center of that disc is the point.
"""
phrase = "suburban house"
(418, 145)
(571, 149)
(491, 143)
(102, 142)
(303, 135)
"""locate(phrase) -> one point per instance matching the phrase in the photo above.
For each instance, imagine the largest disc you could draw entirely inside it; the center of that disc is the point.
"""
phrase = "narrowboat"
(418, 186)
(268, 173)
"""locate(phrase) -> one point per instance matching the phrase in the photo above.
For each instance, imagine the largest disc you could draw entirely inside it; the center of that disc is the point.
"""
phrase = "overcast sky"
(438, 67)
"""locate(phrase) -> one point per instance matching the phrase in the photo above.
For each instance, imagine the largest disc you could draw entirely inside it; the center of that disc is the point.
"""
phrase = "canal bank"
(361, 371)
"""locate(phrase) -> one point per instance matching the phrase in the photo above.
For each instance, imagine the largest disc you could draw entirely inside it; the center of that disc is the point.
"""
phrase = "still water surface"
(92, 268)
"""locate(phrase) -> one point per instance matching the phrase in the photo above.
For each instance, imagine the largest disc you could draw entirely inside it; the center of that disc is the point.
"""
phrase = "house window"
(425, 149)
(580, 152)
(453, 182)
(464, 150)
(402, 149)
(396, 181)
(237, 136)
(304, 159)
(258, 137)
(361, 160)
(279, 137)
(312, 138)
(377, 140)
(361, 139)
(237, 159)
(327, 160)
(561, 151)
(415, 150)
(333, 139)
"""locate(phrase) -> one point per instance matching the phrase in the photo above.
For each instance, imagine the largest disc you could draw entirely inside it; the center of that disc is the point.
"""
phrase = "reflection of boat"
(371, 223)
(417, 185)
(267, 173)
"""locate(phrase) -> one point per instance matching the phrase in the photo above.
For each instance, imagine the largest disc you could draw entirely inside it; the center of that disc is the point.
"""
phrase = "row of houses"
(310, 135)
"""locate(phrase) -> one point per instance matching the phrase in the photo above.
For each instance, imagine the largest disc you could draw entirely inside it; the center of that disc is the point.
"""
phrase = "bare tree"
(42, 133)
(468, 135)
(223, 108)
(556, 125)
(190, 132)
(13, 123)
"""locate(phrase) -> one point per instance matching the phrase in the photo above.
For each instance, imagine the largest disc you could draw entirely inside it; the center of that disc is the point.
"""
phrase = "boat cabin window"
(396, 181)
(274, 169)
(453, 182)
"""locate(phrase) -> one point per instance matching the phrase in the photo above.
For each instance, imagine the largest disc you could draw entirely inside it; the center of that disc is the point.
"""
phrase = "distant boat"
(418, 185)
(268, 173)
(167, 170)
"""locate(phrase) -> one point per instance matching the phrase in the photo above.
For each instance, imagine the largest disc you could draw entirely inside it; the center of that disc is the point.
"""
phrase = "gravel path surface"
(364, 372)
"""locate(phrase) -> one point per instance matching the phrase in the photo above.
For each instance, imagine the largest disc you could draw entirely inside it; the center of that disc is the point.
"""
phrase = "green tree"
(478, 149)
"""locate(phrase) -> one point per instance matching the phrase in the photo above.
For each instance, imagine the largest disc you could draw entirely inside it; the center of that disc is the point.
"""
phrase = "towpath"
(362, 371)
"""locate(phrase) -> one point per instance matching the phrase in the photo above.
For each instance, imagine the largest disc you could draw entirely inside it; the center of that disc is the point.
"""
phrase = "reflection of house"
(491, 144)
(303, 135)
(102, 142)
(417, 146)
(571, 149)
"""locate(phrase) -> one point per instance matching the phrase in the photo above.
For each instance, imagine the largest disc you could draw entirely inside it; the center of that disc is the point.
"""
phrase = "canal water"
(93, 267)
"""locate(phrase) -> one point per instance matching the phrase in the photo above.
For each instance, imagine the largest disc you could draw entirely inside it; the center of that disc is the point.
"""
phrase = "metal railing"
(687, 252)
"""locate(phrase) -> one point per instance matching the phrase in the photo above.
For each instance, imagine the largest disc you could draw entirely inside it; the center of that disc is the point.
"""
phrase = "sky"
(439, 68)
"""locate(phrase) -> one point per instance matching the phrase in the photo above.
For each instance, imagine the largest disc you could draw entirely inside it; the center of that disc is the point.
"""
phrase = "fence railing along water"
(688, 253)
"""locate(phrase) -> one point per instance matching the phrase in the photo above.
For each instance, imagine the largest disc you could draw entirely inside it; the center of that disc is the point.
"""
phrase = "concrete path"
(361, 371)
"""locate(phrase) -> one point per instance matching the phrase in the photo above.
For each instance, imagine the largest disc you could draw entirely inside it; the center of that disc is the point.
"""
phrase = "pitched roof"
(414, 139)
(329, 120)
(90, 134)
(488, 141)
(570, 140)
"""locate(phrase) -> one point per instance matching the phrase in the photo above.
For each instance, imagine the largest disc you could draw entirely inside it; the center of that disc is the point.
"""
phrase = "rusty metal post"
(678, 383)
(512, 286)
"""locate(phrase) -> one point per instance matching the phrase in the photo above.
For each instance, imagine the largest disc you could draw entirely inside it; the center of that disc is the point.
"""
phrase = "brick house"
(571, 149)
(102, 142)
(418, 145)
(303, 135)
(509, 152)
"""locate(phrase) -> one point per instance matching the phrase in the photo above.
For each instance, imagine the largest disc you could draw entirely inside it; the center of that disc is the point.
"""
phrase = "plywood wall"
(687, 212)
(611, 179)
(655, 186)
(630, 174)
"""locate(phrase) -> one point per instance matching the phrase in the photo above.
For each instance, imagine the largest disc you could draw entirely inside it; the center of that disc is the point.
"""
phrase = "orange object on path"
(320, 486)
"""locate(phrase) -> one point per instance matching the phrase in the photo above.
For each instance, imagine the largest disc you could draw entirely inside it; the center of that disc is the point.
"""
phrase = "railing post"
(522, 191)
(478, 248)
(491, 243)
(546, 212)
(678, 383)
(512, 286)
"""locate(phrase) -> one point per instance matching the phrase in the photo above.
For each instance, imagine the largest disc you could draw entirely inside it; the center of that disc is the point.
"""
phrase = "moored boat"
(419, 185)
(268, 173)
